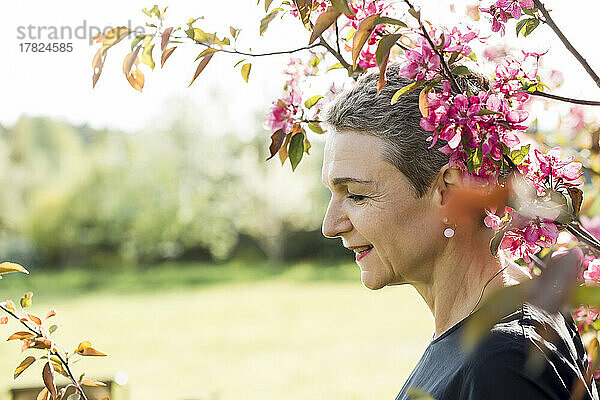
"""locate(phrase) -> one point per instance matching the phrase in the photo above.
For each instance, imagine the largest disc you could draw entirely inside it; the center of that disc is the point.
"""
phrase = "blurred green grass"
(232, 331)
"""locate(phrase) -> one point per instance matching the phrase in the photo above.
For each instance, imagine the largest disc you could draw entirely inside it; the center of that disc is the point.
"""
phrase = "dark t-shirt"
(529, 354)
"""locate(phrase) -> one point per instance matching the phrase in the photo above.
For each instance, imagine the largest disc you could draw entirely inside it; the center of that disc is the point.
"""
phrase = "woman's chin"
(371, 280)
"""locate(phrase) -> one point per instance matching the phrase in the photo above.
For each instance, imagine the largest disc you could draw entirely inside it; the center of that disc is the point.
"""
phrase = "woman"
(390, 204)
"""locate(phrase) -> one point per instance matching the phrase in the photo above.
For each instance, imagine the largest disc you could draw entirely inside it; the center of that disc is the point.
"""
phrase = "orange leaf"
(423, 104)
(130, 59)
(90, 351)
(283, 151)
(3, 320)
(361, 36)
(324, 21)
(35, 319)
(20, 335)
(48, 377)
(166, 54)
(51, 313)
(97, 64)
(203, 63)
(98, 37)
(92, 382)
(165, 38)
(43, 395)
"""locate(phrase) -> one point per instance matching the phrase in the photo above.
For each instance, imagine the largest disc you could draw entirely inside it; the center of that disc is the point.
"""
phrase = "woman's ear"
(448, 181)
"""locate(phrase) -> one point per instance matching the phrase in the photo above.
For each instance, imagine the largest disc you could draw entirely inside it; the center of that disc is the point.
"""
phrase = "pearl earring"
(448, 232)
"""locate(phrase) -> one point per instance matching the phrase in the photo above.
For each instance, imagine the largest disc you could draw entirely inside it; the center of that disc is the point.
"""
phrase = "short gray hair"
(360, 109)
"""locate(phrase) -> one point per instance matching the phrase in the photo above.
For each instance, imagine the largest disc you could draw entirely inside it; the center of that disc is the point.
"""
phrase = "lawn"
(230, 332)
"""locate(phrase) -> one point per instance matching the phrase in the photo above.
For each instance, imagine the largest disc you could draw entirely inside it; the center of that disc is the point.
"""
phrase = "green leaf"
(416, 393)
(239, 62)
(26, 363)
(26, 300)
(477, 159)
(53, 328)
(382, 55)
(495, 242)
(147, 56)
(312, 101)
(529, 11)
(416, 14)
(264, 23)
(461, 70)
(296, 149)
(485, 111)
(335, 66)
(390, 21)
(519, 154)
(520, 25)
(530, 25)
(315, 127)
(137, 39)
(246, 71)
(153, 11)
(342, 6)
(407, 89)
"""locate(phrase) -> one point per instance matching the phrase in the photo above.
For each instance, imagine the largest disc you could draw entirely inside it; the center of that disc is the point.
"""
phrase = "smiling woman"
(391, 204)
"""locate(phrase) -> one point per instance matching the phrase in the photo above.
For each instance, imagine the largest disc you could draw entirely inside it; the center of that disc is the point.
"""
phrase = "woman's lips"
(363, 254)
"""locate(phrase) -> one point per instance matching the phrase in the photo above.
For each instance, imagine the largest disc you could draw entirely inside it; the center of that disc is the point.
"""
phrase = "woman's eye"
(356, 198)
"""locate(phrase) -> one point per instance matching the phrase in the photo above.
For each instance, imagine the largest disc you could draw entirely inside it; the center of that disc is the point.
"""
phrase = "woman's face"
(375, 211)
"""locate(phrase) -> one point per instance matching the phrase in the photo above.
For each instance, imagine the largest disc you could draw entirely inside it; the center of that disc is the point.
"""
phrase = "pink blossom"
(422, 64)
(548, 171)
(591, 275)
(517, 247)
(591, 224)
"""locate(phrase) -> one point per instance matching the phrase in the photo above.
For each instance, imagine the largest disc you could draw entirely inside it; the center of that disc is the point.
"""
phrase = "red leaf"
(201, 67)
(324, 21)
(48, 377)
(165, 38)
(276, 143)
(166, 54)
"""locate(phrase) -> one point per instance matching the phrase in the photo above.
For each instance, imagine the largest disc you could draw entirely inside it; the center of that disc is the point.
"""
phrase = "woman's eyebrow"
(346, 180)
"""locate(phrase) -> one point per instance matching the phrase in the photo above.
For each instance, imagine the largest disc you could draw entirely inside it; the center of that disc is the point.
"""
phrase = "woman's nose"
(336, 222)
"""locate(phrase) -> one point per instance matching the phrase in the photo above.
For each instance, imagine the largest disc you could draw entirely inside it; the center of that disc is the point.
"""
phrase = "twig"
(565, 41)
(565, 99)
(439, 54)
(54, 353)
(337, 55)
(337, 37)
(243, 53)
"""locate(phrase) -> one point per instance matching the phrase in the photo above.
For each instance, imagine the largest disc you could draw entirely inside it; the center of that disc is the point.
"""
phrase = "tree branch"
(566, 42)
(337, 55)
(54, 353)
(243, 53)
(565, 99)
(439, 54)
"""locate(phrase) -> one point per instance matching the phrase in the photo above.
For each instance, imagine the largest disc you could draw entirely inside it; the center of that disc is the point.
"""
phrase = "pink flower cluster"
(502, 10)
(470, 124)
(363, 9)
(525, 234)
(424, 63)
(548, 172)
(287, 110)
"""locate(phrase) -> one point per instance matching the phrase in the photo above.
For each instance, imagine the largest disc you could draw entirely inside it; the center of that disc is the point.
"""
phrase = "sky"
(59, 85)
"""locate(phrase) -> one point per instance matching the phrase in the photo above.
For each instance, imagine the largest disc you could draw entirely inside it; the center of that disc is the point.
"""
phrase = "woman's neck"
(460, 275)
